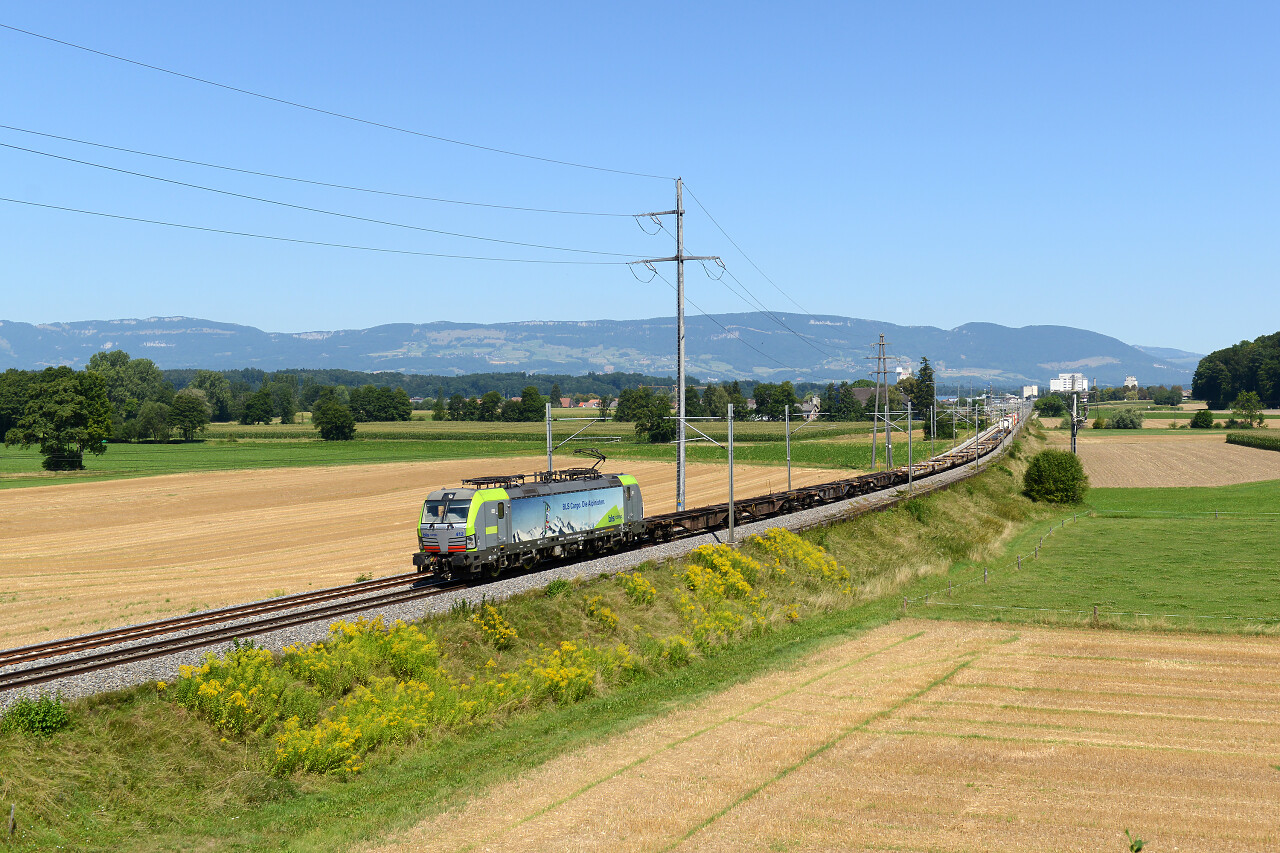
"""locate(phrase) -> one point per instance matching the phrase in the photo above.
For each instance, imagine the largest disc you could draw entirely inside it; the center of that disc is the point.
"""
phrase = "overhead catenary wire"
(309, 242)
(743, 252)
(334, 113)
(315, 182)
(736, 336)
(317, 209)
(749, 298)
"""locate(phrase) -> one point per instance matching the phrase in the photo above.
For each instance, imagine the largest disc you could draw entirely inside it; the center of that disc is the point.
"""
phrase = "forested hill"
(776, 347)
(1246, 366)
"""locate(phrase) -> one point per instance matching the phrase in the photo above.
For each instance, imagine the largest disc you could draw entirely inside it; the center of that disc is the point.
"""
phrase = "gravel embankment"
(165, 668)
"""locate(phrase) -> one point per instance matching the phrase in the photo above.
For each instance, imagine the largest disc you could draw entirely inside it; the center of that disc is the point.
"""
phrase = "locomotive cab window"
(445, 512)
(502, 511)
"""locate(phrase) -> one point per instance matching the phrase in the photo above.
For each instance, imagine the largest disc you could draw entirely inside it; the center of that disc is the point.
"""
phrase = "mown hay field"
(1175, 458)
(88, 556)
(927, 736)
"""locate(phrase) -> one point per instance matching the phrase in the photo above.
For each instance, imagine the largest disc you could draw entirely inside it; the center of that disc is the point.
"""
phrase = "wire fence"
(935, 597)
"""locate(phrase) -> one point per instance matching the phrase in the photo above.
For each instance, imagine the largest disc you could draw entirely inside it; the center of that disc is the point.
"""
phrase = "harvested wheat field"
(927, 736)
(87, 556)
(1178, 459)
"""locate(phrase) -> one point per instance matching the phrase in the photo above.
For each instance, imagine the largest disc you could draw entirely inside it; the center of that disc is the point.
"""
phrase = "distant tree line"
(68, 413)
(1247, 367)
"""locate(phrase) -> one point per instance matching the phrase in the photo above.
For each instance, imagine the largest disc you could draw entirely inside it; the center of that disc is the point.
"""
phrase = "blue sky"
(1110, 166)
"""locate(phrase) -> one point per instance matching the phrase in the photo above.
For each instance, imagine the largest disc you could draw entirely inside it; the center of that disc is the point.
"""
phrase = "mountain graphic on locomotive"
(490, 524)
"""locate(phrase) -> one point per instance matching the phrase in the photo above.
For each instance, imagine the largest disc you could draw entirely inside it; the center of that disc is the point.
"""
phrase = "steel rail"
(54, 670)
(115, 636)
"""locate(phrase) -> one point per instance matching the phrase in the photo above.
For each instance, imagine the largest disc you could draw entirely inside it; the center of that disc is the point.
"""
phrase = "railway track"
(204, 630)
(32, 665)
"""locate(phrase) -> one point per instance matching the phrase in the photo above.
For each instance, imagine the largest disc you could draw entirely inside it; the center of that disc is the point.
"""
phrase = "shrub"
(1126, 419)
(1202, 419)
(1055, 476)
(1100, 423)
(42, 716)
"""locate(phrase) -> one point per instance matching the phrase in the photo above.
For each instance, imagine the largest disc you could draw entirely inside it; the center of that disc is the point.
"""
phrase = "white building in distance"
(1068, 383)
(1030, 391)
(1131, 382)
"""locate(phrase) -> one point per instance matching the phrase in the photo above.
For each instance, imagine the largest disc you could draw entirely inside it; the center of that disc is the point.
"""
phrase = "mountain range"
(767, 347)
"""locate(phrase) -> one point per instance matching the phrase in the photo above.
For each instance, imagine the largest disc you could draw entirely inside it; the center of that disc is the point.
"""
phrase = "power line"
(752, 301)
(312, 182)
(306, 242)
(745, 255)
(333, 113)
(731, 334)
(315, 209)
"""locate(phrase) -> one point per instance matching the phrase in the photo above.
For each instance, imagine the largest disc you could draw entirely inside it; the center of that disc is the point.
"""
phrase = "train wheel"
(528, 561)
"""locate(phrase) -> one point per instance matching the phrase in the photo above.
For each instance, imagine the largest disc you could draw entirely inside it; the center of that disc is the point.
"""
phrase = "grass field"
(1199, 559)
(232, 447)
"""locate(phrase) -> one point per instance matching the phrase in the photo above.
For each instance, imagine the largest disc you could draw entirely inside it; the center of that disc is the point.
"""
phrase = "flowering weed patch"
(496, 630)
(323, 707)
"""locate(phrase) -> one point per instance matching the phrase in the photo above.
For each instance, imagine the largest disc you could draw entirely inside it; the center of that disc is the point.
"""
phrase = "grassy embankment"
(229, 447)
(138, 770)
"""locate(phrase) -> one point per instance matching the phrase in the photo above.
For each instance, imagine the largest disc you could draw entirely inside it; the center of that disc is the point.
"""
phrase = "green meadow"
(1188, 559)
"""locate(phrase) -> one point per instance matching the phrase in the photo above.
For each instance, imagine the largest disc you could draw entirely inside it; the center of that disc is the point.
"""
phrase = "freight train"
(491, 524)
(495, 523)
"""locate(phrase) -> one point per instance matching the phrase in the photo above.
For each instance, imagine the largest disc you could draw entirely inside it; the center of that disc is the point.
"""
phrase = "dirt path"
(927, 736)
(1178, 459)
(87, 556)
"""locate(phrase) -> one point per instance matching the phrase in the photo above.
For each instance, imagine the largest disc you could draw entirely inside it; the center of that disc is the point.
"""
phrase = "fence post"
(984, 574)
(1019, 562)
(948, 587)
(13, 821)
(1036, 555)
(904, 604)
(1095, 614)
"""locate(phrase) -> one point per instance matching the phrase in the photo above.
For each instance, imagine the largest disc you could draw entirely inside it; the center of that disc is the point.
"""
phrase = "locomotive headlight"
(471, 542)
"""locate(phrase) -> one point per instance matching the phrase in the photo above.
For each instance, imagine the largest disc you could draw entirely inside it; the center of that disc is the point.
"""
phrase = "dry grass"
(88, 556)
(927, 736)
(1178, 459)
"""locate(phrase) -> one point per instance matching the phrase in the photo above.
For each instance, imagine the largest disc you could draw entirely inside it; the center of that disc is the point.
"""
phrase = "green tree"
(654, 421)
(1202, 419)
(130, 382)
(190, 412)
(439, 408)
(217, 391)
(284, 404)
(15, 387)
(923, 393)
(692, 403)
(153, 421)
(606, 406)
(1125, 419)
(258, 408)
(1051, 406)
(68, 413)
(1247, 408)
(533, 407)
(1212, 382)
(333, 419)
(1055, 476)
(555, 395)
(490, 406)
(715, 401)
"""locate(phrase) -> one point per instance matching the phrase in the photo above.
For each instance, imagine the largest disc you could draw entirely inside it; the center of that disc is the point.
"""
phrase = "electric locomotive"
(490, 524)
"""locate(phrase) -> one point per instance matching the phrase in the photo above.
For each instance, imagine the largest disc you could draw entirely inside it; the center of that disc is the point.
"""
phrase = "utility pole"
(881, 372)
(679, 257)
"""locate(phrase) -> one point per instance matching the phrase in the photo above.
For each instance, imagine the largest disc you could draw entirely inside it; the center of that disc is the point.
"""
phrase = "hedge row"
(1262, 441)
